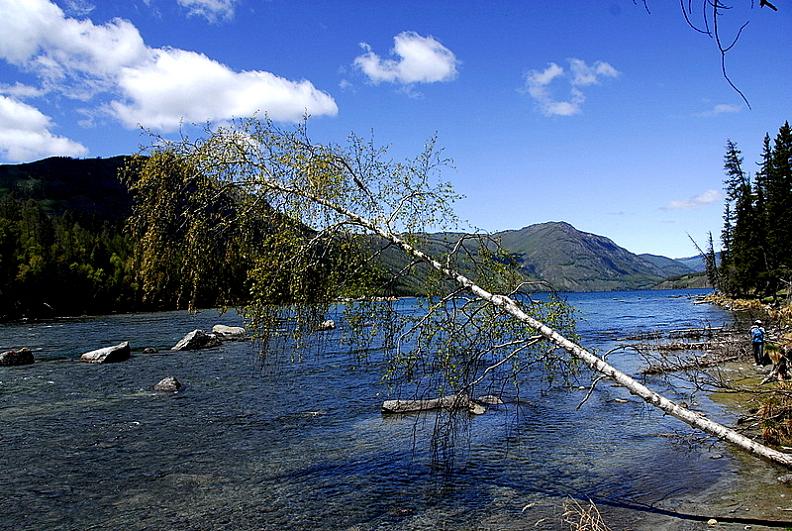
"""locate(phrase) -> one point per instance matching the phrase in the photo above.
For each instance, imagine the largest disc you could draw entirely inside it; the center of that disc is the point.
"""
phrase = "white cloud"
(720, 108)
(537, 85)
(584, 75)
(36, 34)
(178, 86)
(211, 10)
(421, 60)
(154, 87)
(21, 91)
(705, 198)
(79, 8)
(25, 134)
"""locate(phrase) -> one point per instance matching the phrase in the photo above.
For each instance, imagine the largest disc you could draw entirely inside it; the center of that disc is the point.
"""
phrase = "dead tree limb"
(513, 308)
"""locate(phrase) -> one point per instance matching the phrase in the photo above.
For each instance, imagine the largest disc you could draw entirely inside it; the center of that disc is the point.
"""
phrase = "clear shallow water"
(253, 446)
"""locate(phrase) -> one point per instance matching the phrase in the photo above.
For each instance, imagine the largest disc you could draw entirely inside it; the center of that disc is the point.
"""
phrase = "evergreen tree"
(765, 258)
(780, 201)
(757, 220)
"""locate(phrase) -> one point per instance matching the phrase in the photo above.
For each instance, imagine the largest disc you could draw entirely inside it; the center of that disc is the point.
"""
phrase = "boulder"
(11, 358)
(168, 385)
(112, 354)
(195, 340)
(228, 332)
(150, 350)
(326, 325)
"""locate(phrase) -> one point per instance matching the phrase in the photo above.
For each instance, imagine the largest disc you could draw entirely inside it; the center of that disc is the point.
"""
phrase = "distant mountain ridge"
(556, 252)
(573, 260)
(87, 188)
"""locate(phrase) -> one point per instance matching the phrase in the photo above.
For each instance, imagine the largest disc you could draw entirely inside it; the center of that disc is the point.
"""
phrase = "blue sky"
(595, 113)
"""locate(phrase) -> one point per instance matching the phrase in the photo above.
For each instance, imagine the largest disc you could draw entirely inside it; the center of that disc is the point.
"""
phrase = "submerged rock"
(116, 353)
(150, 350)
(168, 385)
(12, 358)
(228, 332)
(326, 325)
(195, 340)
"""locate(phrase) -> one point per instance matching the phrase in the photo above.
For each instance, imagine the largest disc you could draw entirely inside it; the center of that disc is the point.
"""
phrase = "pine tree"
(765, 259)
(780, 201)
(757, 220)
(740, 226)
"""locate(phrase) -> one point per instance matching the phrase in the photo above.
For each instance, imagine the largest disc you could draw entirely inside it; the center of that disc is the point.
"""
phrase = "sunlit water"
(248, 445)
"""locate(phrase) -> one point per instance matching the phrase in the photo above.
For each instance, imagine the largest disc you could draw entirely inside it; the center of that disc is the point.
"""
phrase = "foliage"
(54, 265)
(314, 220)
(64, 250)
(756, 258)
(181, 217)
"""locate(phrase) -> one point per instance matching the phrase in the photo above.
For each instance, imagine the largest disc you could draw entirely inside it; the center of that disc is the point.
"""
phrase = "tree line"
(167, 238)
(756, 256)
(74, 261)
(55, 264)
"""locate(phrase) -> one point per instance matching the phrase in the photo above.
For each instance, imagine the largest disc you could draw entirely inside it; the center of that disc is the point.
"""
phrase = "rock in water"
(490, 400)
(228, 332)
(326, 325)
(168, 385)
(195, 340)
(112, 354)
(150, 350)
(12, 358)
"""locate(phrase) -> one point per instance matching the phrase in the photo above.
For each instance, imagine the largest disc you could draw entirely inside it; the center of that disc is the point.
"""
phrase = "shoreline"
(393, 298)
(749, 491)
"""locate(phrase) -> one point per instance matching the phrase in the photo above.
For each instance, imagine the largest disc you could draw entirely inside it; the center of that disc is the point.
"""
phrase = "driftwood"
(694, 364)
(687, 333)
(513, 308)
(727, 345)
(450, 402)
(596, 363)
(679, 345)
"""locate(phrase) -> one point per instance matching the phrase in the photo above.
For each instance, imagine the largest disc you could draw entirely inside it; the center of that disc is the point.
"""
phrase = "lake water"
(252, 445)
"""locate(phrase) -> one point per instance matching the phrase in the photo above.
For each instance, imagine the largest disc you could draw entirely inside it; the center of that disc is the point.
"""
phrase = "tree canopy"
(756, 259)
(484, 333)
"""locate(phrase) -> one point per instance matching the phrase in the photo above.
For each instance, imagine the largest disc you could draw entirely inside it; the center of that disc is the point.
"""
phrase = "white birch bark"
(596, 363)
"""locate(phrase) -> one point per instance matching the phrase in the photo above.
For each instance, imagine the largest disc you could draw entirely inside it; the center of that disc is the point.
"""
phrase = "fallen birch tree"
(315, 210)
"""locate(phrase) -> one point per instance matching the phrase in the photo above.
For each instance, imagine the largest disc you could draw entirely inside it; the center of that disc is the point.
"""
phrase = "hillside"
(556, 252)
(667, 267)
(87, 188)
(696, 263)
(573, 260)
(691, 280)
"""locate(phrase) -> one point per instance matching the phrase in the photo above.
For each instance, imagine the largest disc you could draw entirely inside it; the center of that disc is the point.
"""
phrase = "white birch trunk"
(596, 363)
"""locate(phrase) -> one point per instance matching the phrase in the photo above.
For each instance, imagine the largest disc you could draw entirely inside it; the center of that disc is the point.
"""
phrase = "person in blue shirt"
(757, 340)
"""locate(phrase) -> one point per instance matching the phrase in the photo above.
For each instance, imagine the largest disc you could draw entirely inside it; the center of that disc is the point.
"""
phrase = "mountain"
(696, 263)
(556, 252)
(87, 188)
(667, 267)
(572, 260)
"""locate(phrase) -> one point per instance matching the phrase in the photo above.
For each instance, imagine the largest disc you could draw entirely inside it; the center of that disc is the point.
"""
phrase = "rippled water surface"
(248, 445)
